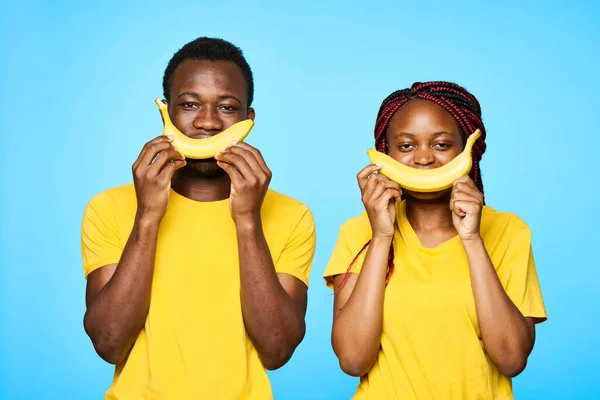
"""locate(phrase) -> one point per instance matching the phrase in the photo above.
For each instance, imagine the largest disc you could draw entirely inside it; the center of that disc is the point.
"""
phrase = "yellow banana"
(203, 148)
(426, 180)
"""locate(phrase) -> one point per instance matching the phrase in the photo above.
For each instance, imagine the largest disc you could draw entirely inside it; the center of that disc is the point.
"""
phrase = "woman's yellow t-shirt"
(194, 343)
(431, 346)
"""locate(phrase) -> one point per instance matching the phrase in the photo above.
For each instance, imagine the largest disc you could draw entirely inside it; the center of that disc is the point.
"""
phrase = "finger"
(377, 191)
(151, 149)
(257, 155)
(464, 182)
(462, 207)
(390, 183)
(163, 158)
(158, 139)
(370, 186)
(167, 173)
(381, 185)
(387, 195)
(232, 171)
(462, 179)
(364, 174)
(462, 192)
(467, 196)
(384, 181)
(249, 157)
(238, 162)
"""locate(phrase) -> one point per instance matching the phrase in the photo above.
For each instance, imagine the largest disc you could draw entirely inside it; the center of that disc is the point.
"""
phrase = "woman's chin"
(428, 196)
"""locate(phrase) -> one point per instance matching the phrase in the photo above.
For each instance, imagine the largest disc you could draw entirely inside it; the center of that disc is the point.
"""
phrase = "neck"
(199, 188)
(428, 215)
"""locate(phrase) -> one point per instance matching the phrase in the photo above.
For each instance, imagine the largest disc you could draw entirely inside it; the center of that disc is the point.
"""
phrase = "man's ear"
(251, 113)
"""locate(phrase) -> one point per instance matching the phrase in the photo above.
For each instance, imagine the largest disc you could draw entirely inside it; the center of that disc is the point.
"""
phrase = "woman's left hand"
(466, 203)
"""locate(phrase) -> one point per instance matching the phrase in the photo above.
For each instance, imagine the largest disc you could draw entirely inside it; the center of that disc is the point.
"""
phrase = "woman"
(436, 294)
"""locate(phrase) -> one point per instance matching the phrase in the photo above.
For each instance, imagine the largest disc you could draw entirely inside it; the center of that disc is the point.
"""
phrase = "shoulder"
(495, 222)
(112, 198)
(280, 204)
(356, 231)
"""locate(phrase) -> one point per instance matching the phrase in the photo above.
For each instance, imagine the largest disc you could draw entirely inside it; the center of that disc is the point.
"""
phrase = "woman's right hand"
(379, 195)
(152, 173)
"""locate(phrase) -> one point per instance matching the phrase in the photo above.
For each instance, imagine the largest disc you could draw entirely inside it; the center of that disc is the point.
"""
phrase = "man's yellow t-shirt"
(431, 346)
(194, 343)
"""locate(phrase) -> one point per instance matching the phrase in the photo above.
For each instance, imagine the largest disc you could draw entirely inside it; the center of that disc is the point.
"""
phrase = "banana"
(426, 180)
(203, 148)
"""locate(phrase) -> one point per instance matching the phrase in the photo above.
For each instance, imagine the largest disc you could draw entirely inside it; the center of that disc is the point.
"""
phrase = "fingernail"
(217, 155)
(170, 137)
(378, 165)
(234, 142)
(224, 148)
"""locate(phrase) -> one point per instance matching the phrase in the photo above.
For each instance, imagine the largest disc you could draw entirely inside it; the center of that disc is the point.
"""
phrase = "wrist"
(247, 222)
(472, 242)
(384, 240)
(146, 220)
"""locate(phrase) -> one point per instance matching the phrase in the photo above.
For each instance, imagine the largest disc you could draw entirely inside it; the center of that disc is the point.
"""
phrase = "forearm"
(117, 313)
(358, 325)
(274, 323)
(506, 335)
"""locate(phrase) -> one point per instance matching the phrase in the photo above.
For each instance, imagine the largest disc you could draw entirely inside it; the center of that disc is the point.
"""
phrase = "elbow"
(275, 362)
(512, 368)
(510, 362)
(106, 342)
(111, 355)
(281, 350)
(510, 355)
(277, 358)
(354, 363)
(354, 367)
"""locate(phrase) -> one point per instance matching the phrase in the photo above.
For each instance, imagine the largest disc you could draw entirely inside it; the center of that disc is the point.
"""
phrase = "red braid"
(457, 101)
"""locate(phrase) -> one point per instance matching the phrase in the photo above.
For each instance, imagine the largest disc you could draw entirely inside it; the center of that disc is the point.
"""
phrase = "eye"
(442, 146)
(188, 105)
(227, 108)
(405, 147)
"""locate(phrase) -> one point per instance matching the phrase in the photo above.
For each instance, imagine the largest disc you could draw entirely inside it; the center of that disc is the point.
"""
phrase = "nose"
(423, 157)
(208, 120)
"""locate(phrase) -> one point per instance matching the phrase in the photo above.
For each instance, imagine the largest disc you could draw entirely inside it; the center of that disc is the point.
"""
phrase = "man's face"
(207, 97)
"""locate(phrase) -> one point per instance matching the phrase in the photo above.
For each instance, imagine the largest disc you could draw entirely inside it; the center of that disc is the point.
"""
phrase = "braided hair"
(457, 101)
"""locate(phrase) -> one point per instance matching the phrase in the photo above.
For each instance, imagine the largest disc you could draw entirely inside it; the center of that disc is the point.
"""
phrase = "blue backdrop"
(78, 83)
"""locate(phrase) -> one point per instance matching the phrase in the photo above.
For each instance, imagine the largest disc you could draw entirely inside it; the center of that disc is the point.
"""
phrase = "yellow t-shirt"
(431, 346)
(194, 343)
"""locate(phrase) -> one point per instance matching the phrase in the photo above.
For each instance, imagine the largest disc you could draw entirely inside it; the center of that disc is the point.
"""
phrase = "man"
(197, 273)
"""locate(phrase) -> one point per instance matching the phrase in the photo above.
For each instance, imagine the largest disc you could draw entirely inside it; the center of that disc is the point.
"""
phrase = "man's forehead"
(192, 74)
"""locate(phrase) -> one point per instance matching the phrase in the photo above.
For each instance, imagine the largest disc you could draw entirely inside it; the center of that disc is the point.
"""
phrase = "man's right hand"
(152, 173)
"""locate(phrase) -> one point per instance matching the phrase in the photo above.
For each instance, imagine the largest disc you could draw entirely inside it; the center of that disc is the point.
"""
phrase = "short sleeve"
(350, 249)
(517, 272)
(297, 255)
(100, 241)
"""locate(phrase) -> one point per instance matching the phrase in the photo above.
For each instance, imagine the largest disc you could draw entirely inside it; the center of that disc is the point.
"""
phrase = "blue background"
(78, 83)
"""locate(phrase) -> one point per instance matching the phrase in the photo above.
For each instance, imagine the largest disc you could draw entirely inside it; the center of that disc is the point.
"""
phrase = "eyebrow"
(433, 135)
(222, 97)
(436, 134)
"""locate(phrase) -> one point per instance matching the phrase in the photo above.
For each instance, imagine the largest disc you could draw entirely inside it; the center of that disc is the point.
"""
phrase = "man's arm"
(273, 305)
(118, 295)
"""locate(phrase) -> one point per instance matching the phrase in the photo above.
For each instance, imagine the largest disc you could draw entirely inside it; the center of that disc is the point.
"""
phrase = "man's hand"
(152, 173)
(250, 178)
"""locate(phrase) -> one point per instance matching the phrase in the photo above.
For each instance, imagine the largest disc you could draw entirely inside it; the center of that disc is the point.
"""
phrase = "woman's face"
(422, 134)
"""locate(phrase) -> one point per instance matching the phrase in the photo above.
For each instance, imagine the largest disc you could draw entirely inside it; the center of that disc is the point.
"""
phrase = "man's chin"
(204, 168)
